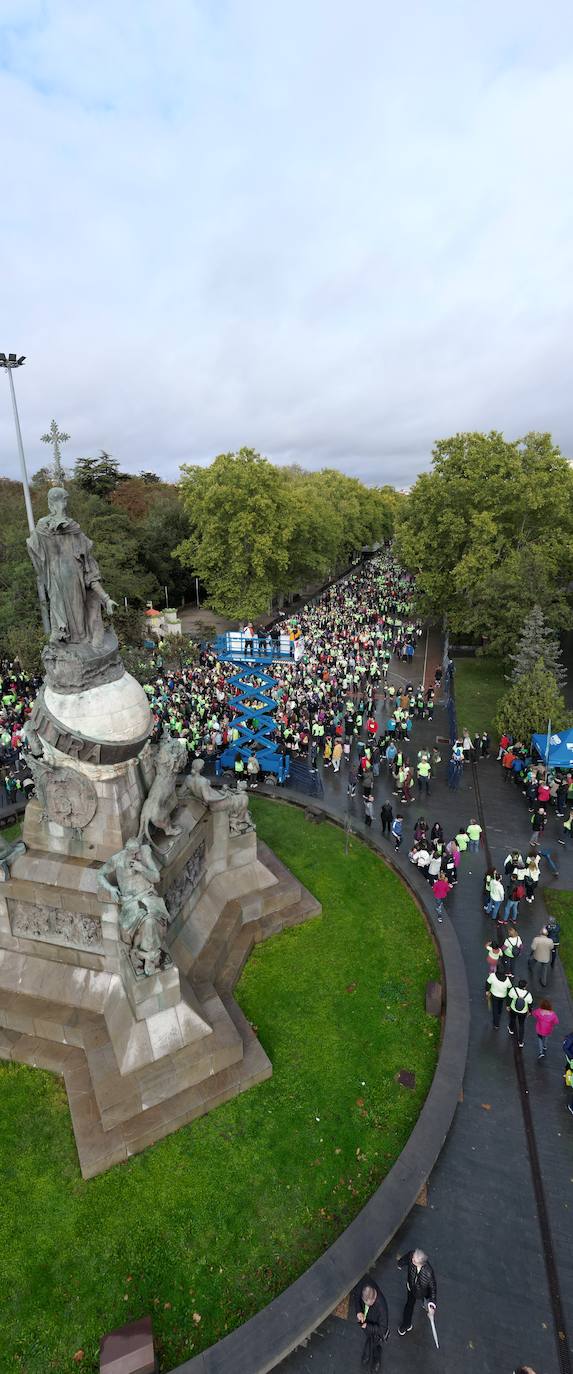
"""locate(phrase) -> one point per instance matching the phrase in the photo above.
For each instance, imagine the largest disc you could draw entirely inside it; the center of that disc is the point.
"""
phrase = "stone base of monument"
(140, 1056)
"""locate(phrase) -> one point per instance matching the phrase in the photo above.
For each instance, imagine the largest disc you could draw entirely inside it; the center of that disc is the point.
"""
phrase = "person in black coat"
(371, 1311)
(420, 1283)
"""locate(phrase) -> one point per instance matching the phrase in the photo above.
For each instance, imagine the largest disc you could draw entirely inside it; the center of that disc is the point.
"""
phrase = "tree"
(489, 534)
(537, 642)
(98, 476)
(258, 532)
(25, 642)
(240, 525)
(530, 704)
(150, 478)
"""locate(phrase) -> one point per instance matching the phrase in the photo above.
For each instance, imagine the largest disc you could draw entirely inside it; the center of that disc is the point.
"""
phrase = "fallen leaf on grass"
(197, 1317)
(78, 1357)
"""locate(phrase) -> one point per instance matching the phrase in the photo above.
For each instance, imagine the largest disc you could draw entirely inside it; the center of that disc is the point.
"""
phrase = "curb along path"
(559, 1321)
(263, 1342)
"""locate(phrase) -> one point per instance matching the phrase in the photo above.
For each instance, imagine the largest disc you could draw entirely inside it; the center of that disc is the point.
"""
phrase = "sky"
(334, 233)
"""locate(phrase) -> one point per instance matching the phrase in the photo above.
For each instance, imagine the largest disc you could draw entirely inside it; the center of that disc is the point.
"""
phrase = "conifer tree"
(537, 641)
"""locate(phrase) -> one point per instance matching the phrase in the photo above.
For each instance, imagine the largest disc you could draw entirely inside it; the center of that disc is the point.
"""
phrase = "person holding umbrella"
(420, 1285)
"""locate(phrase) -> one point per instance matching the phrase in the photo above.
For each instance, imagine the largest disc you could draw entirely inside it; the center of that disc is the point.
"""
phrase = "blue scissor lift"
(255, 724)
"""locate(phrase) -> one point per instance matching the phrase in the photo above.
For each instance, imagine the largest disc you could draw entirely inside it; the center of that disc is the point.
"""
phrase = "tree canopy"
(489, 534)
(259, 531)
(530, 704)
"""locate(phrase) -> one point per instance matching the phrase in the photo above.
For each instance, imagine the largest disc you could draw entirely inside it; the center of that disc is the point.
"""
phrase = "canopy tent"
(560, 748)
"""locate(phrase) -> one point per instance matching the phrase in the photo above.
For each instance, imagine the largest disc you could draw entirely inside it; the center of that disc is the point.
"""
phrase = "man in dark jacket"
(420, 1283)
(372, 1314)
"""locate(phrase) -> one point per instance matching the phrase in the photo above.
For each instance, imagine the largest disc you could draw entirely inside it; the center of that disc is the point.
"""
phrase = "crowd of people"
(351, 705)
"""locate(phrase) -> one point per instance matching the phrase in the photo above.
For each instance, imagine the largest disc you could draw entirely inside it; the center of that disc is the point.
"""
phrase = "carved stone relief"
(55, 926)
(186, 882)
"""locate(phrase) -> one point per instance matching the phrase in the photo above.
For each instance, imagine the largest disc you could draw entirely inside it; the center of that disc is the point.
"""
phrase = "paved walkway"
(483, 1225)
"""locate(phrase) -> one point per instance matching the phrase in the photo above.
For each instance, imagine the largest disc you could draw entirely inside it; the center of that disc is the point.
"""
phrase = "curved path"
(294, 1315)
(498, 1231)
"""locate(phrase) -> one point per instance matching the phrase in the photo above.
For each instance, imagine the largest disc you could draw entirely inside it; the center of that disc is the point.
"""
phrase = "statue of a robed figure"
(81, 651)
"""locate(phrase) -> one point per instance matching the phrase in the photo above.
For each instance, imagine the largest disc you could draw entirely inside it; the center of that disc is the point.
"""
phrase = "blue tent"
(560, 748)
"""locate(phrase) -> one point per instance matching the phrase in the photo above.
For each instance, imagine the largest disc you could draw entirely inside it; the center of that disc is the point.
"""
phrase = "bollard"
(129, 1349)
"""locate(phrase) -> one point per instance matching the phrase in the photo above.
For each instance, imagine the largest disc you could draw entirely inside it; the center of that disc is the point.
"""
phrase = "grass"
(207, 1226)
(479, 684)
(10, 832)
(560, 905)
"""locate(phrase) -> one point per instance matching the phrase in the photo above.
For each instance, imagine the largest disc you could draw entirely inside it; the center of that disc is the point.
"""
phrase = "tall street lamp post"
(8, 362)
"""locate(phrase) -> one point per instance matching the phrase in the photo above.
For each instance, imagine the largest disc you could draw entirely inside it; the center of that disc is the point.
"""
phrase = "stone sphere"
(116, 713)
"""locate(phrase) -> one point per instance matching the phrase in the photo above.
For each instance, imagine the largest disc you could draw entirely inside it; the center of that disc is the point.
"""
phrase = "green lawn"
(560, 905)
(10, 832)
(208, 1225)
(479, 683)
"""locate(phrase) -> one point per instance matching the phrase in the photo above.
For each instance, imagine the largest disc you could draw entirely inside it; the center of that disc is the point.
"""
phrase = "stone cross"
(54, 438)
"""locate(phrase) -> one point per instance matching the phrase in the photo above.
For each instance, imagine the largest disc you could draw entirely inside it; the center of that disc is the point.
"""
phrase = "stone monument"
(130, 906)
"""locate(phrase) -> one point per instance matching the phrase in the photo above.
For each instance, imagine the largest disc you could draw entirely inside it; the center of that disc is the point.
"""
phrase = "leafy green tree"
(489, 534)
(530, 704)
(25, 642)
(536, 642)
(240, 526)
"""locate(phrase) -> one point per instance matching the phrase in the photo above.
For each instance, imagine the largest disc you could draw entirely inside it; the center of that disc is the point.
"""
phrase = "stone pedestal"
(140, 1055)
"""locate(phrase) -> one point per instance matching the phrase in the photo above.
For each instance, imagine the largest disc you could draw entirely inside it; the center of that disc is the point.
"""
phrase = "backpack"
(568, 1046)
(519, 891)
(520, 1004)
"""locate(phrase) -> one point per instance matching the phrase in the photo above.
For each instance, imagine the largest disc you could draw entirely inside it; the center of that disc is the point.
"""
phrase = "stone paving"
(480, 1223)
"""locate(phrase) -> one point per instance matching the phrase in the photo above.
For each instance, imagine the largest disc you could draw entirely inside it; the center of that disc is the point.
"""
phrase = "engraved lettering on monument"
(51, 924)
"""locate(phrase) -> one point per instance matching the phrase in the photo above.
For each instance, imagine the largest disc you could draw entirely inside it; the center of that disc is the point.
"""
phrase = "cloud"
(333, 233)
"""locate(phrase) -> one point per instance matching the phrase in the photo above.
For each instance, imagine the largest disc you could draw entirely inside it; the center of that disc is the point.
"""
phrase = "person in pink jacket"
(545, 1021)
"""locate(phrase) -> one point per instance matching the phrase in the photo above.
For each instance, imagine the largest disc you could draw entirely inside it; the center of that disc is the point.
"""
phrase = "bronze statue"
(170, 758)
(236, 804)
(64, 563)
(129, 878)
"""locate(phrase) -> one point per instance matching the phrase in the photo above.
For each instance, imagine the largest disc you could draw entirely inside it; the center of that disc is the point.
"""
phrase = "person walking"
(512, 947)
(515, 892)
(424, 774)
(386, 817)
(440, 889)
(336, 756)
(540, 957)
(531, 876)
(371, 1311)
(545, 1022)
(473, 832)
(554, 932)
(420, 1286)
(496, 894)
(497, 987)
(538, 819)
(368, 809)
(519, 1001)
(396, 831)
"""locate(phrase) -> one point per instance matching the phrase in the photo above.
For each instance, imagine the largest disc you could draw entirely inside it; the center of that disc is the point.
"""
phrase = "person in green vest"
(473, 830)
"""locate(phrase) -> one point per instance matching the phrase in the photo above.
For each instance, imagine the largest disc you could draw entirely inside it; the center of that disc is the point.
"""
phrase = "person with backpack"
(497, 987)
(515, 893)
(512, 947)
(519, 1001)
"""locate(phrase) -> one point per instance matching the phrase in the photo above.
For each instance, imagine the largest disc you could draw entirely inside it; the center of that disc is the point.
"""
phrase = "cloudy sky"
(331, 231)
